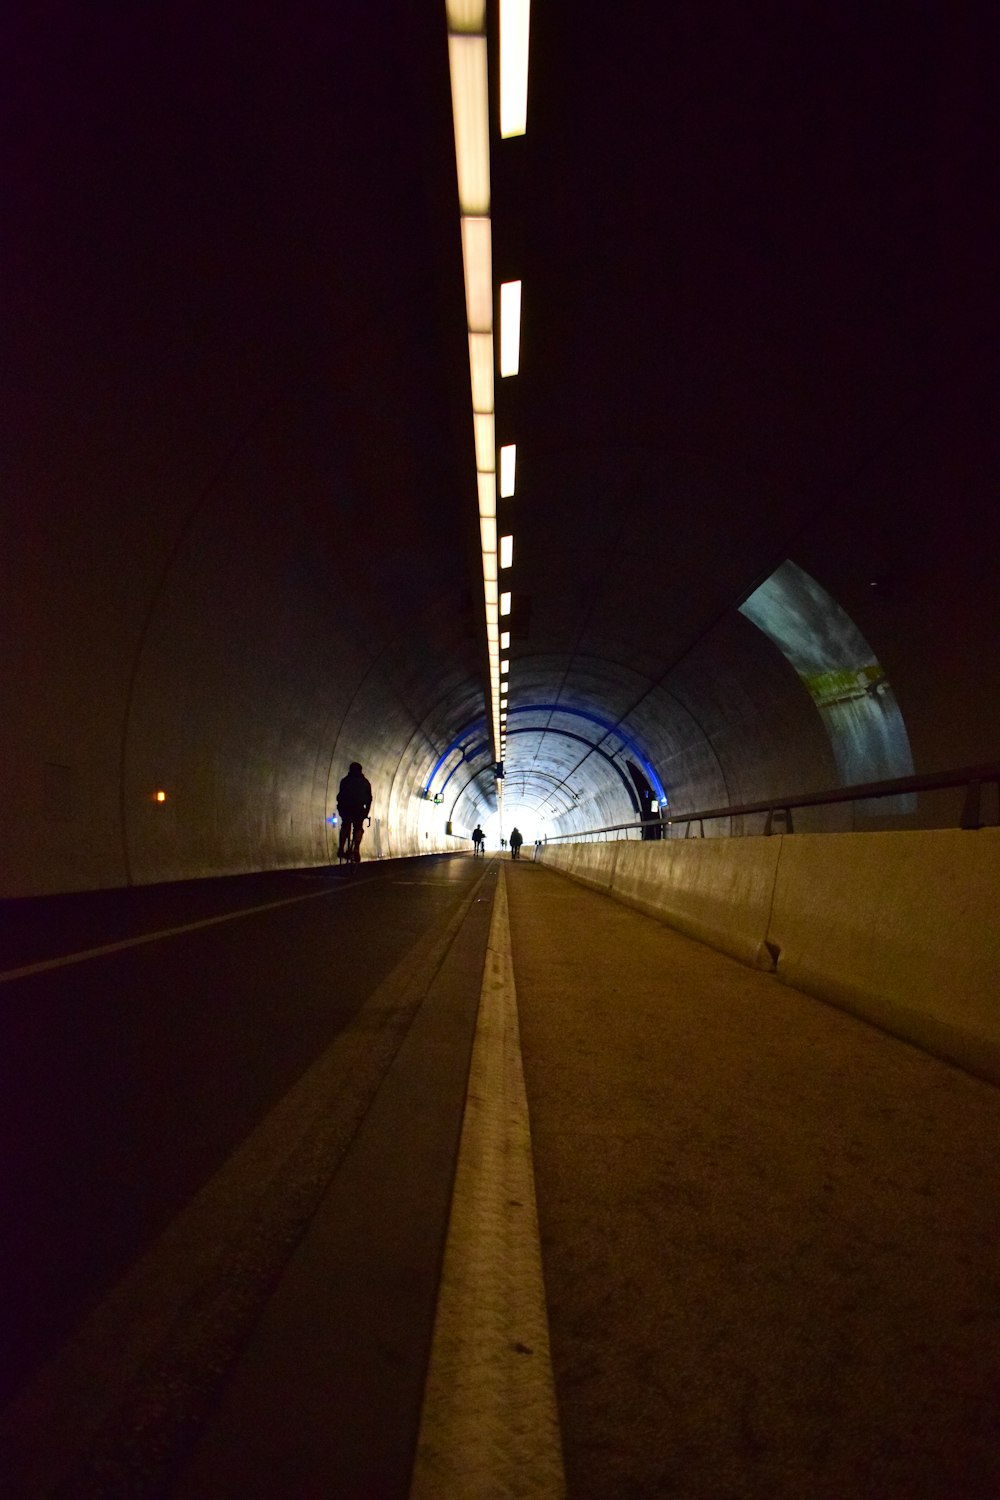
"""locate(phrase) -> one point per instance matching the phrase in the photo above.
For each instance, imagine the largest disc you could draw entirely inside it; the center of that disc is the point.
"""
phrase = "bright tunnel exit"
(532, 825)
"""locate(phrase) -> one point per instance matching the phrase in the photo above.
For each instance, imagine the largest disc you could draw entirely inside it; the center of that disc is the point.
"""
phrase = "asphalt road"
(130, 1079)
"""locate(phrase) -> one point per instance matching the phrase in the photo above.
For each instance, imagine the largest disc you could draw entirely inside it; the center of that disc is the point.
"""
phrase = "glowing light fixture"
(481, 370)
(505, 640)
(515, 18)
(466, 15)
(469, 69)
(487, 485)
(485, 441)
(477, 257)
(508, 459)
(510, 327)
(470, 110)
(161, 797)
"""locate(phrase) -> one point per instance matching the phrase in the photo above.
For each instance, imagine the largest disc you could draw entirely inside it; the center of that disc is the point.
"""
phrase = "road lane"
(127, 1080)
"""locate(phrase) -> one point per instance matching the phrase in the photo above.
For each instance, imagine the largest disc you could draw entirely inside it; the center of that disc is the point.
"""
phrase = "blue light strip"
(475, 727)
(479, 724)
(581, 713)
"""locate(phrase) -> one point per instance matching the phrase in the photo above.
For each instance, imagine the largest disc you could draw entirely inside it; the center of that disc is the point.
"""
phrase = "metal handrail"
(971, 777)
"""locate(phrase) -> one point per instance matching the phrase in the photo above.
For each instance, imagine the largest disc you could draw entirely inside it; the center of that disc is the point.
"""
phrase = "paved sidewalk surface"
(769, 1231)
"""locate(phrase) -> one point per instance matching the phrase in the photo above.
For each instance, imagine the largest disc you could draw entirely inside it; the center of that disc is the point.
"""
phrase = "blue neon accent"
(467, 756)
(529, 708)
(580, 713)
(469, 729)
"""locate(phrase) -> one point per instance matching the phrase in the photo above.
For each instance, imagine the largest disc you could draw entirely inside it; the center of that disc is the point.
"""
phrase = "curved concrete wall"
(899, 928)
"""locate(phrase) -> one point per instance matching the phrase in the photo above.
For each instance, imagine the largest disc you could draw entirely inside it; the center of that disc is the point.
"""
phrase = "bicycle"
(352, 843)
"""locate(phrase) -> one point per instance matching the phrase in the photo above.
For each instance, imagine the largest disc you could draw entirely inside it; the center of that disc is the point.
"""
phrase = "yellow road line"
(489, 1424)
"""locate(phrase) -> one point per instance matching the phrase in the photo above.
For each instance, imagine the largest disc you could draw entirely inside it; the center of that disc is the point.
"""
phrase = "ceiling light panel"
(470, 110)
(506, 551)
(477, 258)
(487, 486)
(481, 371)
(485, 441)
(515, 19)
(510, 327)
(508, 460)
(466, 15)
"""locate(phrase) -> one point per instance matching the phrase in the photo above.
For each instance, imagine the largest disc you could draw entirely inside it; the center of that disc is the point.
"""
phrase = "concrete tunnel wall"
(239, 532)
(236, 666)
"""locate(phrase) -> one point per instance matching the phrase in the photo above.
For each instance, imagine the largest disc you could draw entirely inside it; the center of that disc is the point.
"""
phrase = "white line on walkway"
(152, 937)
(489, 1425)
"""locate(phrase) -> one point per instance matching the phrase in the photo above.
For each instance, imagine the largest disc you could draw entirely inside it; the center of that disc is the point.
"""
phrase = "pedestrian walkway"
(769, 1231)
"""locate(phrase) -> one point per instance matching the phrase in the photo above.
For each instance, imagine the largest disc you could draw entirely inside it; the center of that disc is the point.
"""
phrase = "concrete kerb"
(898, 928)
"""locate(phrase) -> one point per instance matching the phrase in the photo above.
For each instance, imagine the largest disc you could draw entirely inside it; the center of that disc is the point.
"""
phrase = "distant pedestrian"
(503, 843)
(515, 843)
(478, 840)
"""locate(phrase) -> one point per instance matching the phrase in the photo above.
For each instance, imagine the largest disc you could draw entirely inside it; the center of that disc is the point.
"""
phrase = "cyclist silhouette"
(354, 800)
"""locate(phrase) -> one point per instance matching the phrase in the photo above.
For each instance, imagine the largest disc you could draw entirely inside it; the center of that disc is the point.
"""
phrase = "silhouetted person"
(515, 843)
(503, 843)
(354, 800)
(478, 839)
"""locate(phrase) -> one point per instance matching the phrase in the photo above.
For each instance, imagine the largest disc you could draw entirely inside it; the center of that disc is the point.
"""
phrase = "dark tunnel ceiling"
(720, 217)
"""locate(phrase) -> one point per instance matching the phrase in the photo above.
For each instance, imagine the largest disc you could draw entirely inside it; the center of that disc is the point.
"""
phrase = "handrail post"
(971, 810)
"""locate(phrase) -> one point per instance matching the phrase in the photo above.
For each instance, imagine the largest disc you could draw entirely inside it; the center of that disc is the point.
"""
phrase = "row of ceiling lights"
(470, 108)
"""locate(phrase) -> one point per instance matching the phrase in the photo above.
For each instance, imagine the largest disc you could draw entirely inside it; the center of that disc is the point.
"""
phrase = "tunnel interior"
(754, 527)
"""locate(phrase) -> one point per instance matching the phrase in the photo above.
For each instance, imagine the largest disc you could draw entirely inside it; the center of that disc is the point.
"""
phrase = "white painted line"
(152, 937)
(489, 1425)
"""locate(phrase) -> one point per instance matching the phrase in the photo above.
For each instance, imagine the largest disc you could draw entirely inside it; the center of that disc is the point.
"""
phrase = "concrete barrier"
(698, 887)
(899, 928)
(591, 864)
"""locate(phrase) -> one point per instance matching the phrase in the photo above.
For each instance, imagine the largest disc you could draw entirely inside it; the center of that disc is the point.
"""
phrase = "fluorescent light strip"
(515, 18)
(510, 327)
(481, 371)
(467, 55)
(485, 429)
(508, 460)
(470, 110)
(487, 486)
(466, 15)
(505, 640)
(477, 258)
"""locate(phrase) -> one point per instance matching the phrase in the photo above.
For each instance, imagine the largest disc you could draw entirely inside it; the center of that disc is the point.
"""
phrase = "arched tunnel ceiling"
(243, 542)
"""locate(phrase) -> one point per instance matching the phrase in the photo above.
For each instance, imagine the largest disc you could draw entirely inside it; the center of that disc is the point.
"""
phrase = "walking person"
(478, 840)
(515, 843)
(354, 800)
